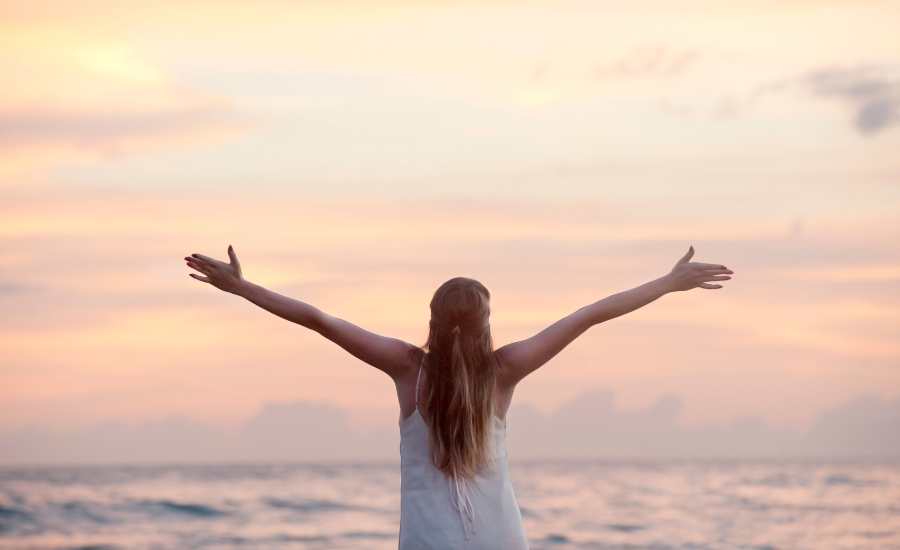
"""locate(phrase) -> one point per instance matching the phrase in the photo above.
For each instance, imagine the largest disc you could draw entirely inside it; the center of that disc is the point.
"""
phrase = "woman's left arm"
(390, 355)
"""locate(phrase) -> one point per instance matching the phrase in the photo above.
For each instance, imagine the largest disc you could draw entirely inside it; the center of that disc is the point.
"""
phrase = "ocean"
(760, 505)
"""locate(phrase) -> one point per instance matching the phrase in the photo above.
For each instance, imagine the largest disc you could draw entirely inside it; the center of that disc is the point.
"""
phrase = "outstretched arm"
(521, 358)
(390, 355)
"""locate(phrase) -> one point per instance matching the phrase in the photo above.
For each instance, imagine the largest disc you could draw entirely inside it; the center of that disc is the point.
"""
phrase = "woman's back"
(439, 513)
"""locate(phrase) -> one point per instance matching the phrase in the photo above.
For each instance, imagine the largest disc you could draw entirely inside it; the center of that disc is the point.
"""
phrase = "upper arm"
(519, 359)
(390, 355)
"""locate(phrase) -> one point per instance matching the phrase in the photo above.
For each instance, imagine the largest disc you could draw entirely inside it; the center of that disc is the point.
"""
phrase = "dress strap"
(418, 377)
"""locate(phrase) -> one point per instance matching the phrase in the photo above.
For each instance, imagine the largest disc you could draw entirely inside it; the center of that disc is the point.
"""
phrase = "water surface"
(565, 505)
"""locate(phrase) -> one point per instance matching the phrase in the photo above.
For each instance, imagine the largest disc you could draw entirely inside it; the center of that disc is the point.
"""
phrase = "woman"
(454, 393)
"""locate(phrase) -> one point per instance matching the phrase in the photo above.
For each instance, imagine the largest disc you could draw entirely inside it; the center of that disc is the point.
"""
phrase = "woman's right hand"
(687, 275)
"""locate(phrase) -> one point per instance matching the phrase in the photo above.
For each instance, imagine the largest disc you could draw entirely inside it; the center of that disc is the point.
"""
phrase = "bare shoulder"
(506, 379)
(410, 366)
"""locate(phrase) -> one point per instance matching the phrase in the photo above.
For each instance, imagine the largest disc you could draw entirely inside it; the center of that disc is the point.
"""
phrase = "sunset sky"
(357, 155)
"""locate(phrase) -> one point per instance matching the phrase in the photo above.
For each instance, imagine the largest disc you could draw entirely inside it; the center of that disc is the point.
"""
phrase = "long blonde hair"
(461, 371)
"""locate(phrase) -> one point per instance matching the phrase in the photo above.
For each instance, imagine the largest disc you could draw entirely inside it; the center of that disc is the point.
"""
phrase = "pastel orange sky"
(357, 155)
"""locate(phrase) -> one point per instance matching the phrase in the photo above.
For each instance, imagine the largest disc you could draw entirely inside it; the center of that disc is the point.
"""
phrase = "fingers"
(688, 255)
(234, 259)
(708, 272)
(199, 266)
(205, 258)
(707, 285)
(199, 277)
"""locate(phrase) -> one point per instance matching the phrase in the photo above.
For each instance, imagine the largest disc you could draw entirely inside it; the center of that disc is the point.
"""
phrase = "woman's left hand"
(224, 276)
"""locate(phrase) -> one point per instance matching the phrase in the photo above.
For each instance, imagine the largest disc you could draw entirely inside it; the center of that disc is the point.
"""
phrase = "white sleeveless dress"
(437, 513)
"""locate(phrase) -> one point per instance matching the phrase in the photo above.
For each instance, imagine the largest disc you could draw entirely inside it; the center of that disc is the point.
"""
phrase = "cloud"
(872, 92)
(867, 423)
(279, 431)
(591, 425)
(81, 96)
(35, 139)
(107, 129)
(291, 430)
(649, 61)
(17, 288)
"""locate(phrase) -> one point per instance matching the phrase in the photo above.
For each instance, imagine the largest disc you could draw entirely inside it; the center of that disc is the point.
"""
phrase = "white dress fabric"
(438, 513)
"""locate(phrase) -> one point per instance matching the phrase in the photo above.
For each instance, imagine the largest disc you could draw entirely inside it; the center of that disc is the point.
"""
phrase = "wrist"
(243, 288)
(666, 283)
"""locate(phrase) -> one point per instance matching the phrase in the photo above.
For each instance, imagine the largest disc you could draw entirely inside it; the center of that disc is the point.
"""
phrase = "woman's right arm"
(519, 359)
(390, 355)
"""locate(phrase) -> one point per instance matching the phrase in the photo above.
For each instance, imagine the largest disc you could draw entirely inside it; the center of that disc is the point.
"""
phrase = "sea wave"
(183, 509)
(564, 507)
